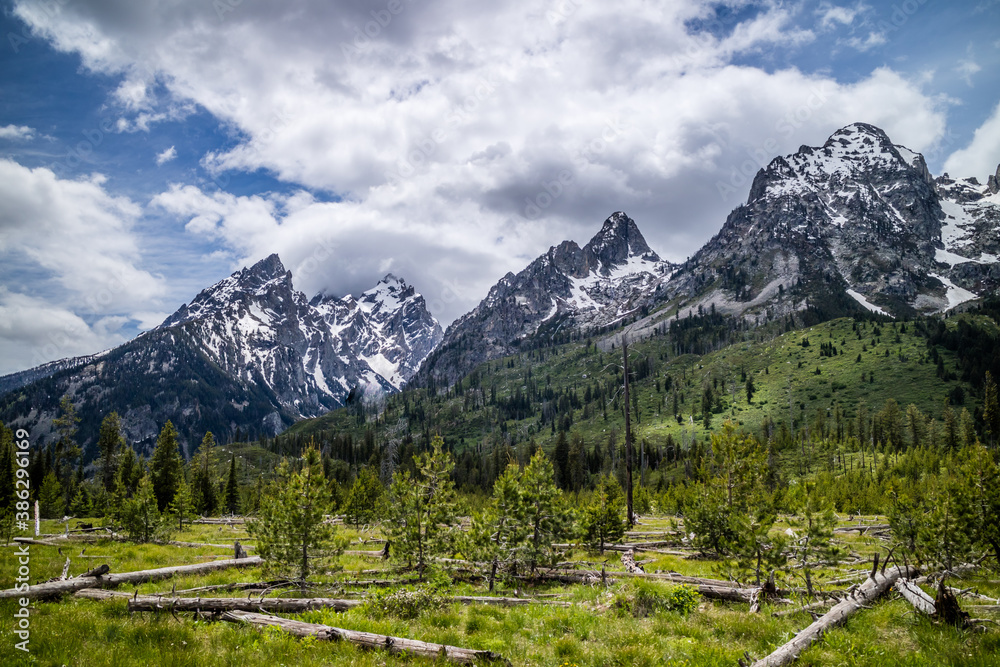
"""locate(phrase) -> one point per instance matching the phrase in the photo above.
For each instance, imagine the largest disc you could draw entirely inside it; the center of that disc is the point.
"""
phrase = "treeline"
(141, 496)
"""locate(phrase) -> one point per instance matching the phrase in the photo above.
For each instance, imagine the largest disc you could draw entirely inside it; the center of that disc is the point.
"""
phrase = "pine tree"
(140, 515)
(545, 511)
(423, 521)
(7, 470)
(50, 497)
(814, 543)
(203, 482)
(130, 472)
(110, 444)
(232, 489)
(603, 520)
(182, 506)
(561, 457)
(7, 484)
(366, 500)
(498, 533)
(66, 449)
(290, 528)
(165, 466)
(991, 410)
(947, 533)
(982, 479)
(577, 462)
(712, 520)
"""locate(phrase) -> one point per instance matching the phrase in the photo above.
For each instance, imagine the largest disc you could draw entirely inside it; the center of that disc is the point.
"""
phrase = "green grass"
(591, 632)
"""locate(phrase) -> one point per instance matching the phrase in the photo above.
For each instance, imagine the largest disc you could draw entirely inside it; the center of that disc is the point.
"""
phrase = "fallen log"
(218, 605)
(877, 584)
(628, 560)
(274, 605)
(861, 528)
(366, 639)
(57, 588)
(913, 594)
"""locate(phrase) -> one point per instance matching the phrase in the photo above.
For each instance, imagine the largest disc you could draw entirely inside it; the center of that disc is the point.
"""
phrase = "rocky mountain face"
(248, 353)
(613, 277)
(857, 222)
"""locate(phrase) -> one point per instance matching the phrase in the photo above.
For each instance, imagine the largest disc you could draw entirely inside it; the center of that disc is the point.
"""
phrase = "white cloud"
(830, 15)
(17, 132)
(871, 41)
(34, 331)
(981, 156)
(445, 125)
(70, 256)
(78, 233)
(966, 68)
(166, 156)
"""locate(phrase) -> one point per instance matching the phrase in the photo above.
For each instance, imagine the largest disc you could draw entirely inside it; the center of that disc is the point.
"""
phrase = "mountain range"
(856, 224)
(249, 354)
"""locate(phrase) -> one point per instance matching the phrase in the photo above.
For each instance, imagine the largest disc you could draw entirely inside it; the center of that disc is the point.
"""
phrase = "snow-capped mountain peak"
(309, 353)
(856, 222)
(609, 279)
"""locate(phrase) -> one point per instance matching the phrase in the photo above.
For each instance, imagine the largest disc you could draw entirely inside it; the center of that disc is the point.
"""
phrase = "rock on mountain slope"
(612, 277)
(248, 353)
(857, 222)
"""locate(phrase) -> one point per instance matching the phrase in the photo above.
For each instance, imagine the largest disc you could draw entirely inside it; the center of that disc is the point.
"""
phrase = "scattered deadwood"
(171, 603)
(862, 528)
(947, 609)
(98, 571)
(877, 584)
(628, 560)
(915, 595)
(366, 639)
(65, 572)
(222, 521)
(57, 588)
(219, 605)
(238, 550)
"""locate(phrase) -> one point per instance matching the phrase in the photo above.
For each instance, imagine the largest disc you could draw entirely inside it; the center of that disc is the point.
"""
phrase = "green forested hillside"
(830, 381)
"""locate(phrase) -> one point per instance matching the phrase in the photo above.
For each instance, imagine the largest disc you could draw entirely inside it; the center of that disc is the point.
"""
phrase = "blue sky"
(150, 149)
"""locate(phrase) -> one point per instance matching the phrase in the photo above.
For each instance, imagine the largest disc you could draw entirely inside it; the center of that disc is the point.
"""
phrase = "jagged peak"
(268, 268)
(848, 133)
(618, 240)
(851, 150)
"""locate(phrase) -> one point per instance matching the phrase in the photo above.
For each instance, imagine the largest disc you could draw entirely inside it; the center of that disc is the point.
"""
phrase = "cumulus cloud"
(981, 156)
(34, 331)
(17, 132)
(461, 143)
(166, 156)
(71, 264)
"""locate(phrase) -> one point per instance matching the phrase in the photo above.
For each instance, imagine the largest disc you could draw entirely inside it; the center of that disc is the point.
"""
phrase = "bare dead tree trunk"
(877, 584)
(367, 639)
(57, 588)
(630, 517)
